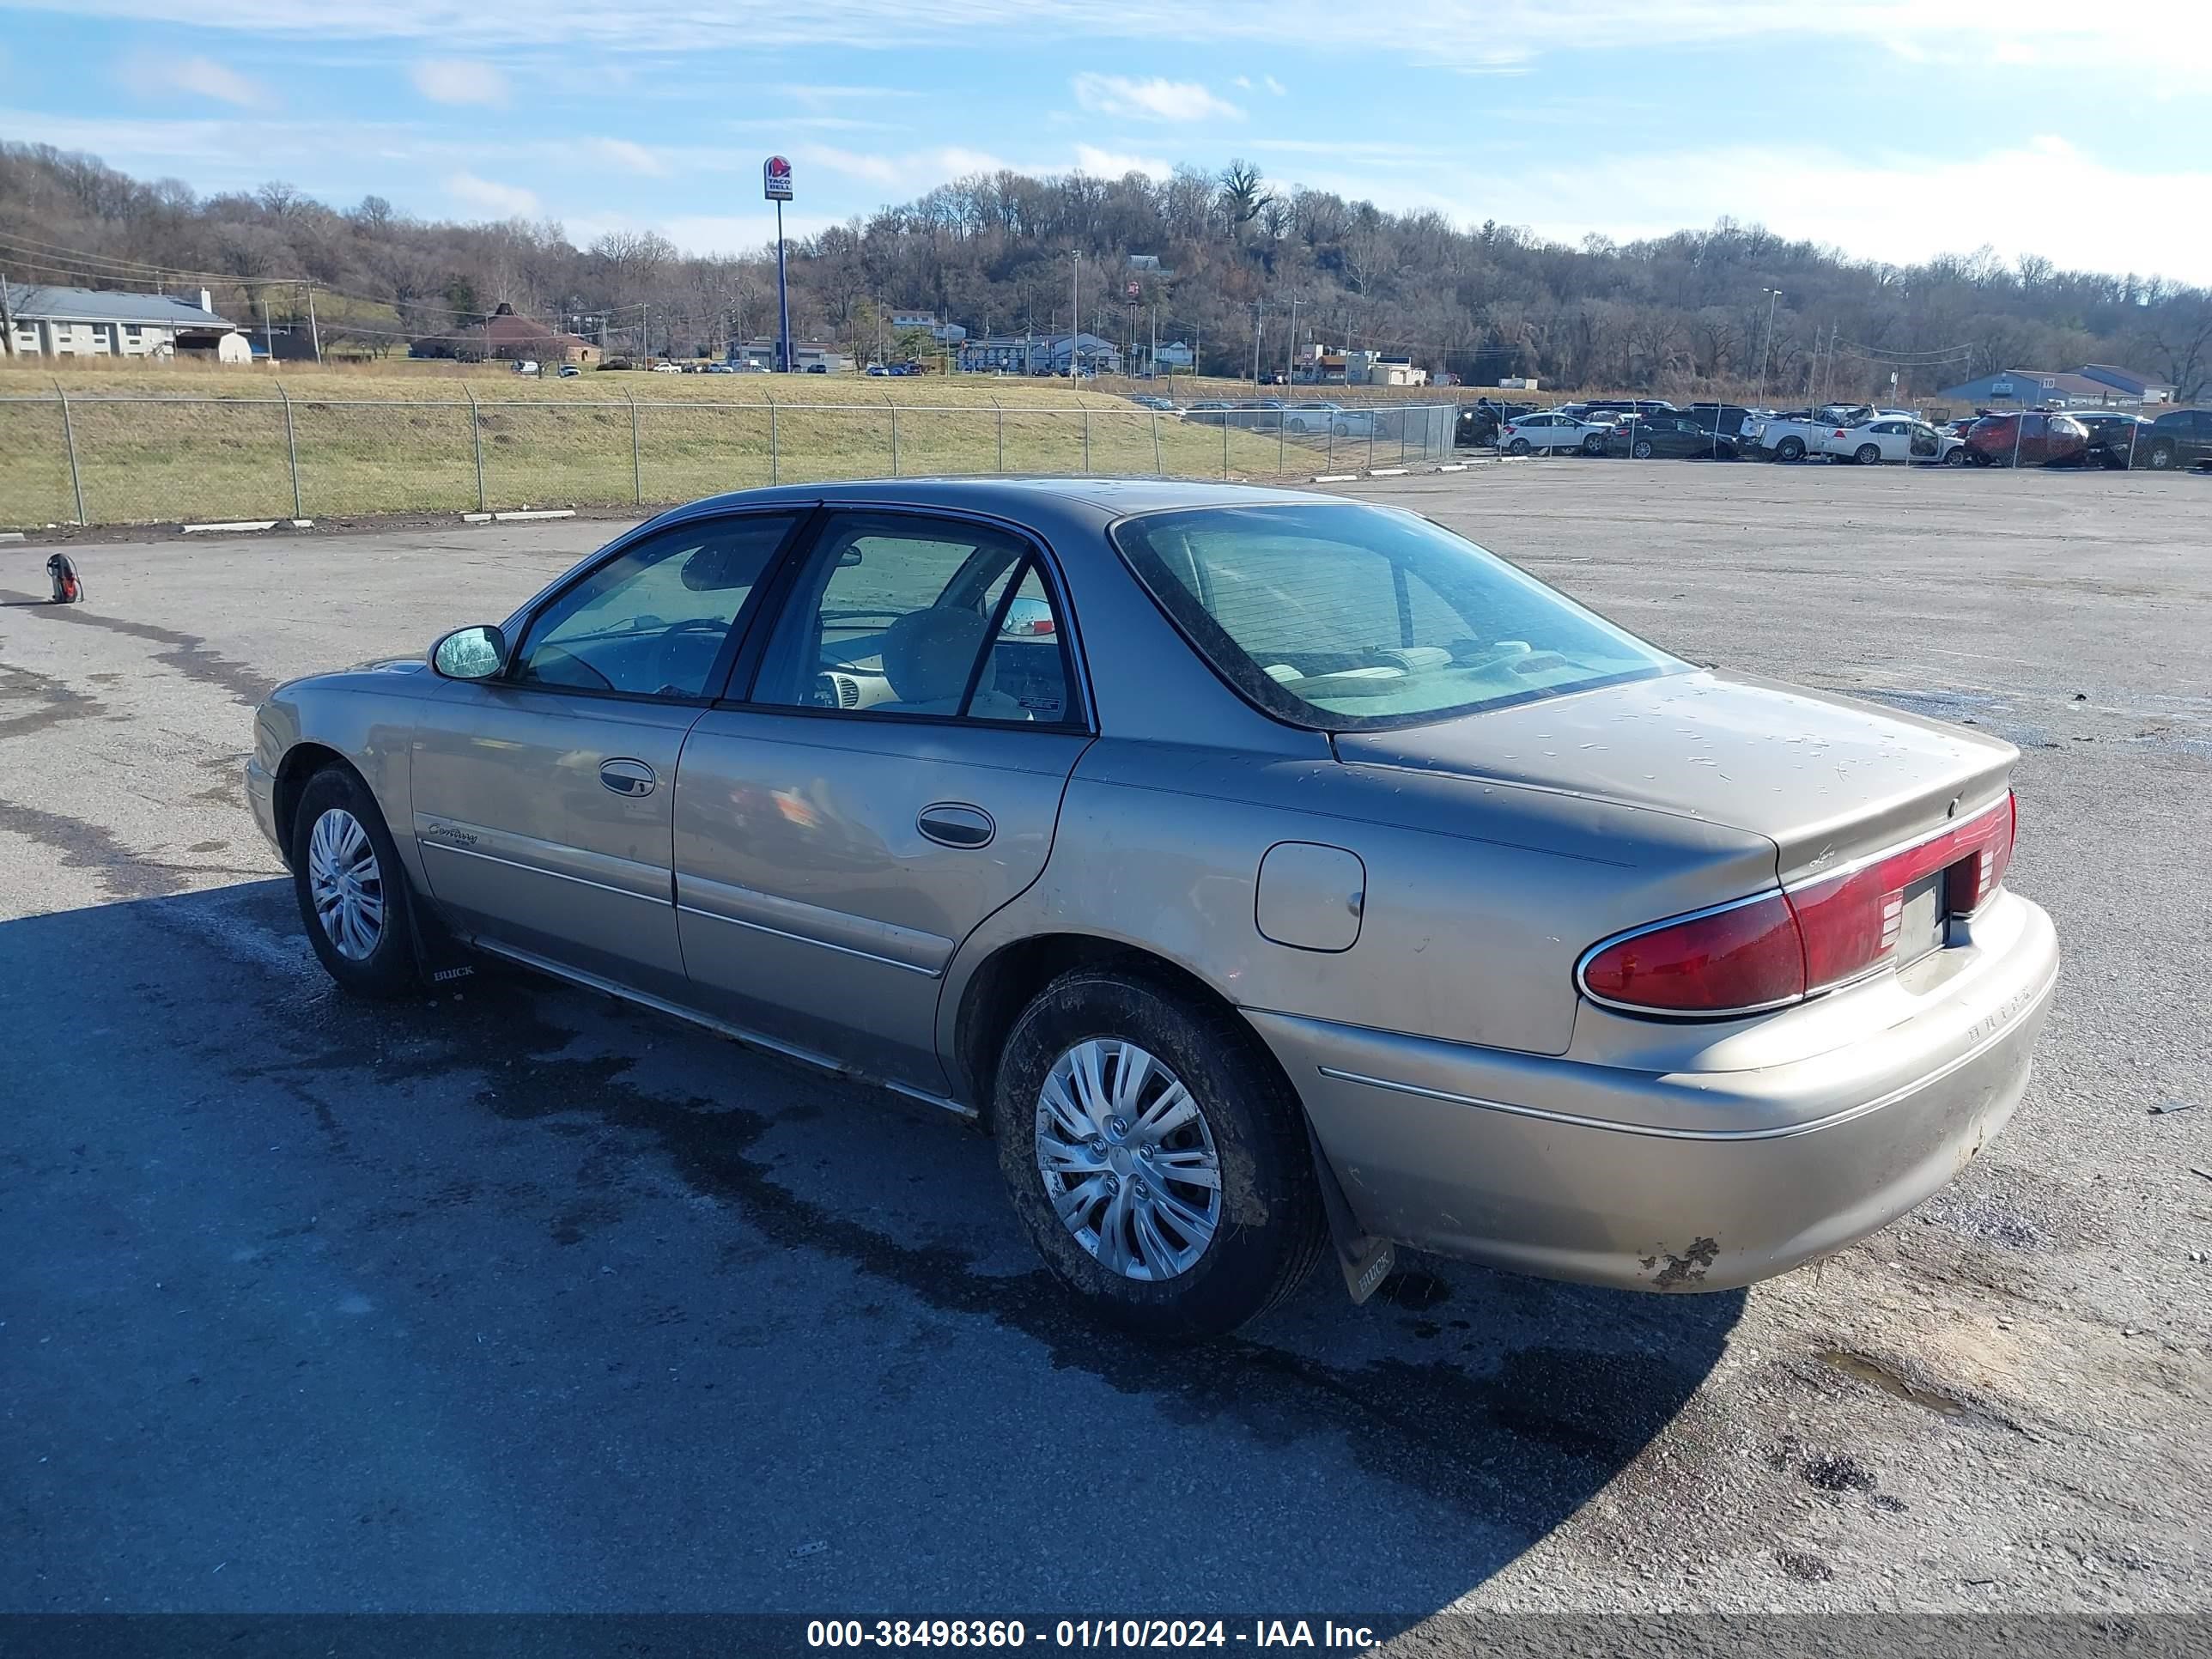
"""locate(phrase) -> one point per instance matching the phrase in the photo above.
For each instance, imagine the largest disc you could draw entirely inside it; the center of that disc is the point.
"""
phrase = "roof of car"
(1009, 497)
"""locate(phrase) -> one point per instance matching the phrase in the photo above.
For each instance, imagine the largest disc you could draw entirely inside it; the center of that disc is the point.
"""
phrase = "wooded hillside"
(1674, 315)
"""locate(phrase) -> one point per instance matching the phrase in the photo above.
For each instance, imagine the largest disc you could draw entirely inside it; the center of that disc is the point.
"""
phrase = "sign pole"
(782, 298)
(776, 186)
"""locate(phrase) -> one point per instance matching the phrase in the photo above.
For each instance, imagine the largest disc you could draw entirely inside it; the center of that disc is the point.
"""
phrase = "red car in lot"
(2037, 438)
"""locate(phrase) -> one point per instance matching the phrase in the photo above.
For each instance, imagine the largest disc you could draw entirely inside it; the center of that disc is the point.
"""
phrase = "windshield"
(1345, 616)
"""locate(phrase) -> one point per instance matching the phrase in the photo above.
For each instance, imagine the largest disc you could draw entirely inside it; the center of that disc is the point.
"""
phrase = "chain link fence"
(135, 458)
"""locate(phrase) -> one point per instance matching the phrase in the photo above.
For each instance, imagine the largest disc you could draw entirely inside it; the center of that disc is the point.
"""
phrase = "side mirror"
(470, 653)
(848, 558)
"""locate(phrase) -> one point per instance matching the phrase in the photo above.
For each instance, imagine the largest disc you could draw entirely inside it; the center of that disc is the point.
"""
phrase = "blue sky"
(1894, 129)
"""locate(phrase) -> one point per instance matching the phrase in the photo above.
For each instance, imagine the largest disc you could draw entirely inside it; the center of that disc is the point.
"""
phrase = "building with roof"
(506, 336)
(2148, 388)
(1040, 354)
(2041, 388)
(761, 352)
(83, 322)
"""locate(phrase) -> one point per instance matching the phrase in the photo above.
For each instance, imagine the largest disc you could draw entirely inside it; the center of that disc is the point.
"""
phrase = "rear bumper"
(1656, 1178)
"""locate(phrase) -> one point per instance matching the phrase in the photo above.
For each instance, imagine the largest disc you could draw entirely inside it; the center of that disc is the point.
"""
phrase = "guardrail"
(143, 457)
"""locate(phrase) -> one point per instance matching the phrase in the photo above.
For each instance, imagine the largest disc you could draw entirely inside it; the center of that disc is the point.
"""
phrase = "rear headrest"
(928, 654)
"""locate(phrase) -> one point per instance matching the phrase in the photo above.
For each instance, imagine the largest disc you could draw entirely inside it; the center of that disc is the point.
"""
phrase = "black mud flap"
(439, 959)
(1364, 1259)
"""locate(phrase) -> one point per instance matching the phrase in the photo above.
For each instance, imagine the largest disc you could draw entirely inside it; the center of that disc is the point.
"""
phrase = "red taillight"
(1970, 883)
(1747, 956)
(1782, 946)
(1851, 920)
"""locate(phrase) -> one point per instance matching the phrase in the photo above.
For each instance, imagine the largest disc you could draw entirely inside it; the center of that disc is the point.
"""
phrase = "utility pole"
(1075, 316)
(1774, 298)
(1291, 355)
(1259, 325)
(7, 320)
(315, 329)
(1153, 361)
(268, 340)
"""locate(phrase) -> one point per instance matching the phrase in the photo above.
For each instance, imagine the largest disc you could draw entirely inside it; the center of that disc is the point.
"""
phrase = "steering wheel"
(669, 651)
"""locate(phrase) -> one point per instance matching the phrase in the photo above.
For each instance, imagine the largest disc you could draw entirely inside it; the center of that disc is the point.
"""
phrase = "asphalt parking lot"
(514, 1298)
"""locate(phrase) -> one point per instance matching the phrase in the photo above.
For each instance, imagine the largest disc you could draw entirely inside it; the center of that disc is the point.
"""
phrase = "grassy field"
(159, 445)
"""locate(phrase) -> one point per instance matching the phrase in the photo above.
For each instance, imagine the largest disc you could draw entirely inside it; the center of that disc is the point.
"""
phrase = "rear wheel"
(1789, 449)
(351, 887)
(1642, 449)
(1868, 454)
(1518, 446)
(1158, 1162)
(2160, 459)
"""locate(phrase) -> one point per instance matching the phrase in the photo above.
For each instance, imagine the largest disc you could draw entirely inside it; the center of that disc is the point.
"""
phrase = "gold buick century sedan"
(1273, 875)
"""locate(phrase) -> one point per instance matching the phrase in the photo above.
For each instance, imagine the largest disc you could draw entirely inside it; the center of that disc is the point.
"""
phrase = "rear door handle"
(627, 777)
(953, 823)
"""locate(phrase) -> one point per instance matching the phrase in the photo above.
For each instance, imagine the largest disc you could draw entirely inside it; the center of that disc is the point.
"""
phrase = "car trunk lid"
(1828, 780)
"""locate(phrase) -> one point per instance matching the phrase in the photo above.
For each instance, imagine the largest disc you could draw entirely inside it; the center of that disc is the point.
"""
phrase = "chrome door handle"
(627, 777)
(951, 823)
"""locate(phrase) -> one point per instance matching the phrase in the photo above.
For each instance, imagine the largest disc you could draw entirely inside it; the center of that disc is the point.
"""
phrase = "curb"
(528, 513)
(241, 525)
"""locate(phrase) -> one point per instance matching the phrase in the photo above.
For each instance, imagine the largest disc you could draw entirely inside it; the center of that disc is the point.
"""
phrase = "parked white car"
(1552, 431)
(1793, 437)
(1891, 439)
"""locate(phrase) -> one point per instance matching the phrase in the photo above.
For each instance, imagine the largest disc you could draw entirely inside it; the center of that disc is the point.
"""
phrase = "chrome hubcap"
(346, 884)
(1127, 1160)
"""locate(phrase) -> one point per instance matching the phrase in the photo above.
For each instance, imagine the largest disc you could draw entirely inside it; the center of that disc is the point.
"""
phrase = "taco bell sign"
(775, 180)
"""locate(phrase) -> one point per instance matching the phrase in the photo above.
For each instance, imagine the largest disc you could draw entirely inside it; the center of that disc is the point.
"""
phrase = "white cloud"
(913, 171)
(503, 201)
(1243, 83)
(1115, 164)
(1156, 100)
(632, 157)
(1902, 207)
(1273, 85)
(153, 74)
(2064, 34)
(460, 81)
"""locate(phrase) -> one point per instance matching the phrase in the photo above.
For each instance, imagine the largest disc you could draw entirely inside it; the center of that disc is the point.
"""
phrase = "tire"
(1868, 455)
(367, 943)
(2160, 459)
(1641, 449)
(1184, 1282)
(1518, 446)
(1594, 445)
(1789, 449)
(1956, 458)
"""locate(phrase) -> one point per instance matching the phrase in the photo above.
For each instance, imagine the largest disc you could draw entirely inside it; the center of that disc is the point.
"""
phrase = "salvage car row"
(1860, 433)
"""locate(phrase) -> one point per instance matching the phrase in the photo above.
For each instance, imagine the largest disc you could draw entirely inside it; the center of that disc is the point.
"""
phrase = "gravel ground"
(513, 1298)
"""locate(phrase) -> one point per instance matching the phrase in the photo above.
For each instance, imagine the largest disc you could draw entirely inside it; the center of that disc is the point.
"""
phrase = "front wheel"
(1789, 449)
(1868, 454)
(1594, 445)
(1158, 1162)
(351, 887)
(1956, 458)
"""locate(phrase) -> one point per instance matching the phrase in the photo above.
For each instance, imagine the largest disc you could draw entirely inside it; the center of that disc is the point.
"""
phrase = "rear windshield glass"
(1345, 616)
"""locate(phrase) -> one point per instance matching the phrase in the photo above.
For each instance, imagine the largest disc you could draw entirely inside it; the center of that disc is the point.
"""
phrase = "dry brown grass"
(183, 441)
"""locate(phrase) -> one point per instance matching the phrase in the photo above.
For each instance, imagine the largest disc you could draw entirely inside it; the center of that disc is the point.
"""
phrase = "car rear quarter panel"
(1479, 897)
